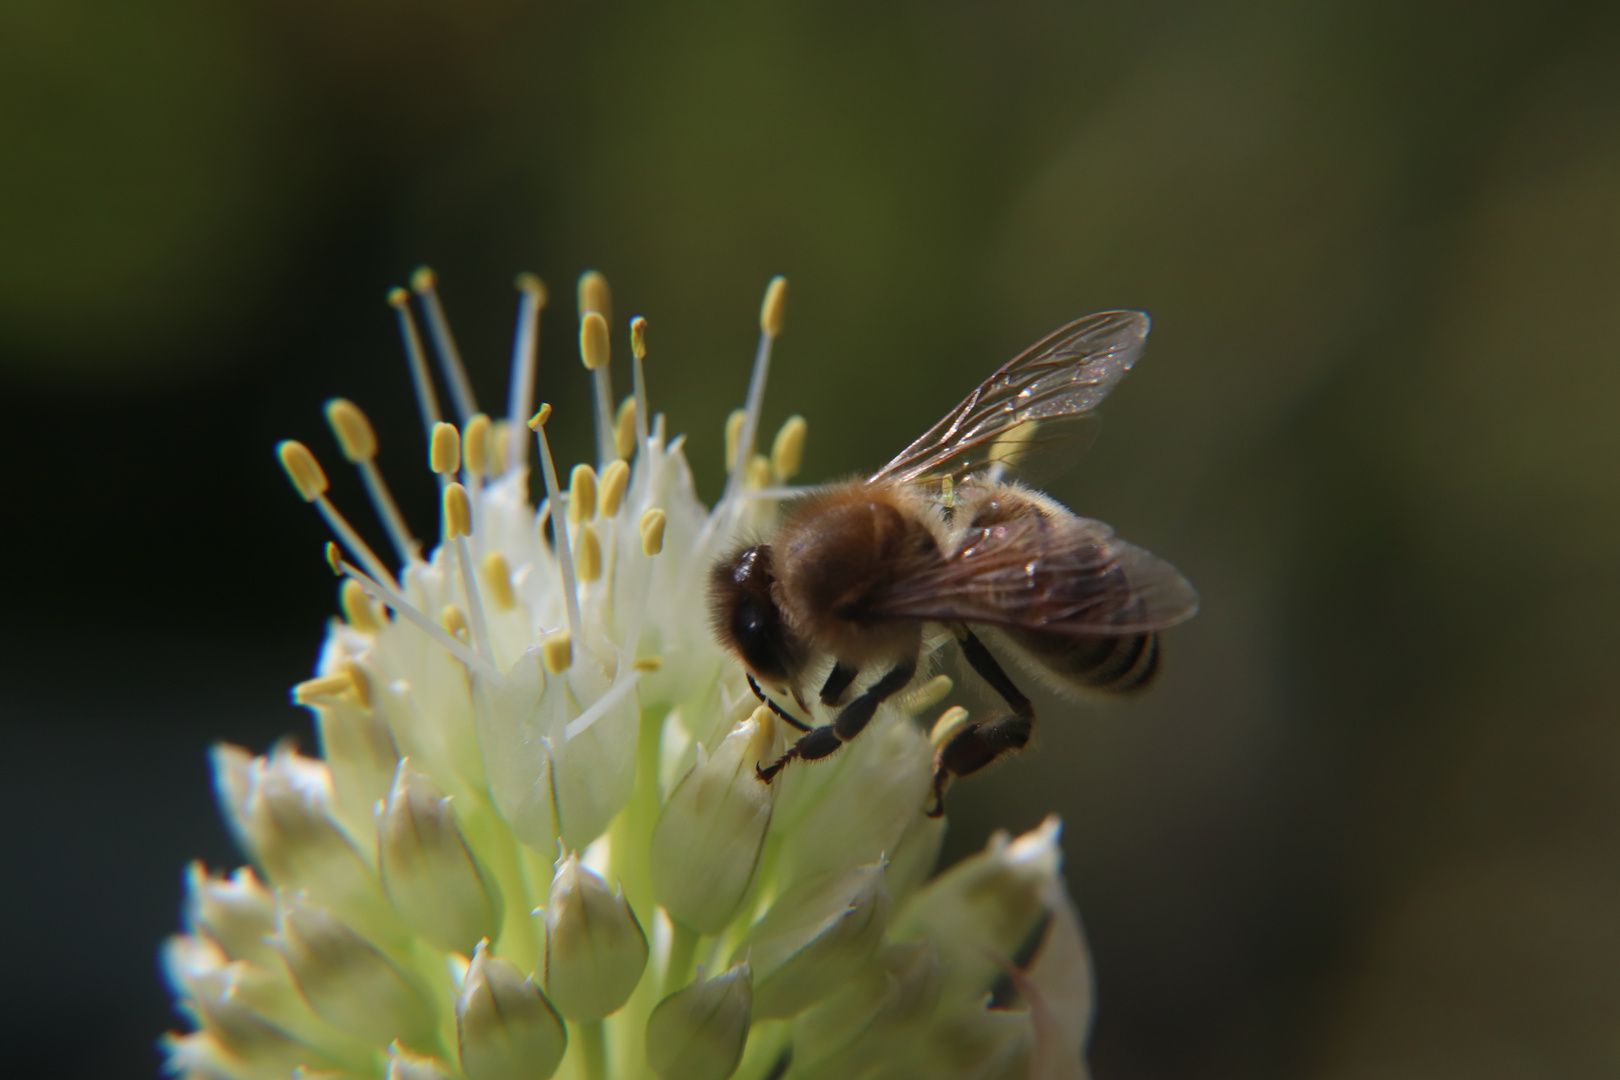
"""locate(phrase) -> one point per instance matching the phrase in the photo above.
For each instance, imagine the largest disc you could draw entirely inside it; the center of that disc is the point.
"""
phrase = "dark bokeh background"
(1367, 826)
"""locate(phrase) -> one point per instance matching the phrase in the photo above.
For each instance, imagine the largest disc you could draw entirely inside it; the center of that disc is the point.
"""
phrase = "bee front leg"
(823, 741)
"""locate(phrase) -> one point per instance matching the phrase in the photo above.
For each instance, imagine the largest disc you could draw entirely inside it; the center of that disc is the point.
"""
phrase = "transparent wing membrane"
(1034, 402)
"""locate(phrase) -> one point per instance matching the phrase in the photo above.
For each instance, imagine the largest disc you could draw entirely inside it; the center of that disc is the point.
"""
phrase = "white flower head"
(535, 841)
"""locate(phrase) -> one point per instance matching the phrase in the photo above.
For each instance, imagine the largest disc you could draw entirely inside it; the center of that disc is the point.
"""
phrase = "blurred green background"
(1368, 824)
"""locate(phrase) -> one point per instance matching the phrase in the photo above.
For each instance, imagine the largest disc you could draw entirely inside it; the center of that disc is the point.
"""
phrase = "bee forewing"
(1078, 579)
(1032, 399)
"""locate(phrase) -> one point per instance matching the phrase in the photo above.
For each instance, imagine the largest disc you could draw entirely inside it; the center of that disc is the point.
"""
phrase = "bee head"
(746, 616)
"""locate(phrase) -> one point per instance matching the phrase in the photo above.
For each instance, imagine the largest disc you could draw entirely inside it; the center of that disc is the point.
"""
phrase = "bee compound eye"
(758, 636)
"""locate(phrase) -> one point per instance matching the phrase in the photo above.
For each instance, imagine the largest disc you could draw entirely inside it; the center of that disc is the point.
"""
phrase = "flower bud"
(237, 912)
(361, 756)
(595, 948)
(435, 881)
(697, 1033)
(875, 1017)
(507, 1030)
(985, 907)
(815, 937)
(1057, 989)
(882, 787)
(347, 981)
(234, 1029)
(284, 816)
(404, 1065)
(706, 844)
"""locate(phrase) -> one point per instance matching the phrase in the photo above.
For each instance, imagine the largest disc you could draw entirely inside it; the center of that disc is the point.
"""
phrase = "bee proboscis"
(864, 573)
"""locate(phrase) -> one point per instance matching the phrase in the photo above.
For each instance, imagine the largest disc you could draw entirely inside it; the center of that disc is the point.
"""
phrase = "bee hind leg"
(974, 747)
(984, 662)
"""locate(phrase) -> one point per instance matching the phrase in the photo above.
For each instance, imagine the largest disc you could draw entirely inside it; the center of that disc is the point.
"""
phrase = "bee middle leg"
(838, 680)
(851, 721)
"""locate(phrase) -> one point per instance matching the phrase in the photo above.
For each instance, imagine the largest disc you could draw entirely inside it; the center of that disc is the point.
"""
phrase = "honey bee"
(939, 546)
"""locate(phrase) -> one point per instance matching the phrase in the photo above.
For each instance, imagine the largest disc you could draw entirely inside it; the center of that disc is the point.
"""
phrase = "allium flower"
(534, 842)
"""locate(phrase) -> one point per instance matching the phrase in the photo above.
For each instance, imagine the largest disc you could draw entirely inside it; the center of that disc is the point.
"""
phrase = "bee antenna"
(773, 706)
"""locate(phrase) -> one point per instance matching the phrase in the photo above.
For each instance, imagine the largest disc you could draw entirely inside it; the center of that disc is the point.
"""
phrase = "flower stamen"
(559, 526)
(309, 479)
(358, 441)
(425, 283)
(595, 351)
(770, 326)
(638, 354)
(409, 612)
(427, 401)
(525, 347)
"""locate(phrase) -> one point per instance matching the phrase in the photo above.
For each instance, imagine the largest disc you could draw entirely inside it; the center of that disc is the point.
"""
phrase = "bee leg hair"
(838, 680)
(984, 662)
(822, 741)
(773, 706)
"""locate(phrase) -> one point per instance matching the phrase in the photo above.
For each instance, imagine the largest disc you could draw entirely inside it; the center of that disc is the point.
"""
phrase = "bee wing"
(1075, 579)
(1030, 400)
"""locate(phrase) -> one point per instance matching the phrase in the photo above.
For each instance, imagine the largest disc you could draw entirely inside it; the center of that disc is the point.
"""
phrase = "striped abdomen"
(1116, 665)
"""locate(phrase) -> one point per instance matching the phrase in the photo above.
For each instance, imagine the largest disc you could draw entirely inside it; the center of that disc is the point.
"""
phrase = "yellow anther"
(358, 610)
(538, 420)
(759, 472)
(398, 297)
(557, 650)
(614, 481)
(638, 338)
(1011, 445)
(444, 454)
(581, 494)
(322, 686)
(787, 452)
(593, 341)
(649, 663)
(594, 295)
(424, 279)
(334, 558)
(302, 469)
(353, 430)
(652, 532)
(531, 284)
(765, 722)
(360, 682)
(734, 426)
(475, 445)
(947, 492)
(457, 512)
(498, 581)
(454, 622)
(927, 695)
(624, 428)
(770, 312)
(948, 726)
(587, 554)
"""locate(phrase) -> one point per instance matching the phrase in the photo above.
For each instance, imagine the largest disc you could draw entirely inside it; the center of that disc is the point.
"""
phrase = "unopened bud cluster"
(534, 842)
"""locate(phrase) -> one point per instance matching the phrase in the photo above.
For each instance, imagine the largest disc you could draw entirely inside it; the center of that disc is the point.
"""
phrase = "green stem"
(682, 947)
(593, 1048)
